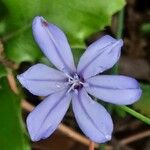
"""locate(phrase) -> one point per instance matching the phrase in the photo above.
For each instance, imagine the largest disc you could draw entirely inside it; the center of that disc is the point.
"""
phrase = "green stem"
(119, 35)
(120, 24)
(135, 114)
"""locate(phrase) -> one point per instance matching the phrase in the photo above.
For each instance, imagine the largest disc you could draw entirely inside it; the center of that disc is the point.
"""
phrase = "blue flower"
(70, 84)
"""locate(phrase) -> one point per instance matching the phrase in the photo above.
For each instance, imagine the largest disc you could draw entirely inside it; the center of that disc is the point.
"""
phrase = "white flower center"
(74, 82)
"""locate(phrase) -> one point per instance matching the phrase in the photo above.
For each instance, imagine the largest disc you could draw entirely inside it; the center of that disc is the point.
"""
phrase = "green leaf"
(22, 48)
(3, 71)
(143, 104)
(78, 19)
(12, 132)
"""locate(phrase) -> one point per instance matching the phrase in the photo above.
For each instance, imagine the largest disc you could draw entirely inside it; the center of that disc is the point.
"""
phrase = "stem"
(120, 24)
(119, 36)
(135, 114)
(91, 145)
(135, 137)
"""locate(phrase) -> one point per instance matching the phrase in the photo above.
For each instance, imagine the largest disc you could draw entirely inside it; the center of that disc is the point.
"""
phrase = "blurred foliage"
(12, 132)
(77, 54)
(3, 71)
(145, 28)
(79, 19)
(143, 104)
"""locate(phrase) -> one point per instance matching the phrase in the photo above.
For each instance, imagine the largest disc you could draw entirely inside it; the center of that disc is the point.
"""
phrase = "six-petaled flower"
(71, 83)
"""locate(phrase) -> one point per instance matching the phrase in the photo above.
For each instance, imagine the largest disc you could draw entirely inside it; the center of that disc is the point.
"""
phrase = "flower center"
(75, 82)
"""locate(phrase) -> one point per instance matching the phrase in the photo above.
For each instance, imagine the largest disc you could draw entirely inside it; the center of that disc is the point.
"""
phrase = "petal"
(42, 80)
(53, 43)
(93, 119)
(116, 89)
(45, 118)
(99, 56)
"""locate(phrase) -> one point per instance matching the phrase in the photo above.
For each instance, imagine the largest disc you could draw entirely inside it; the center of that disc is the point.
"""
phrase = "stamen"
(74, 82)
(71, 88)
(69, 76)
(81, 83)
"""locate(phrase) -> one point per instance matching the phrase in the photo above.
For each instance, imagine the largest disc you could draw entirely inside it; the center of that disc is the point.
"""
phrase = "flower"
(69, 83)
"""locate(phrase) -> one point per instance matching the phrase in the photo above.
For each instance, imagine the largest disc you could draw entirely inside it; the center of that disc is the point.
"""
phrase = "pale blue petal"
(116, 89)
(42, 80)
(45, 118)
(54, 44)
(99, 56)
(93, 119)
